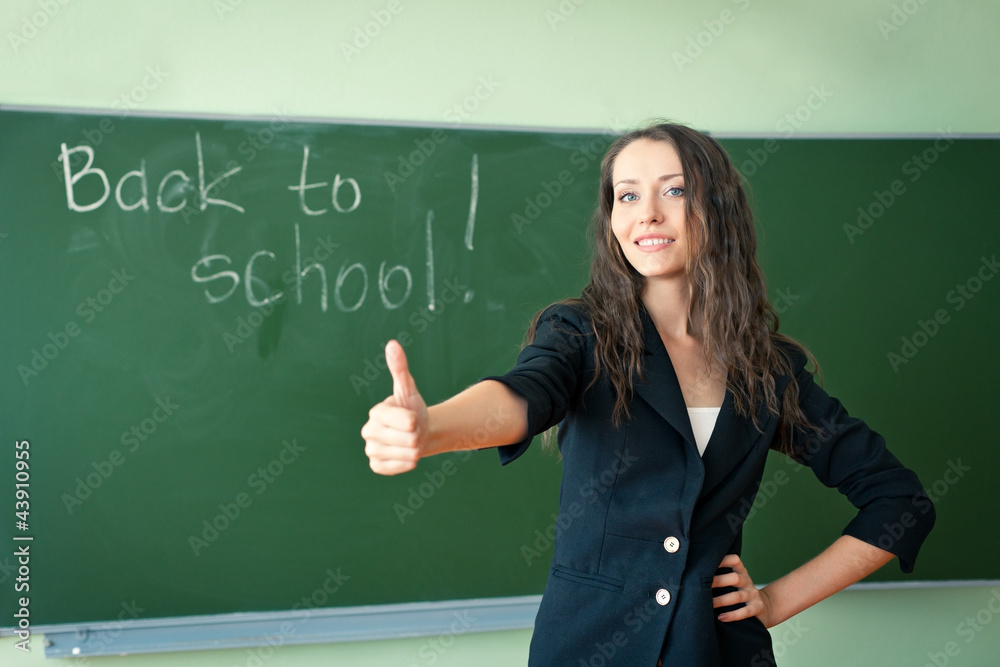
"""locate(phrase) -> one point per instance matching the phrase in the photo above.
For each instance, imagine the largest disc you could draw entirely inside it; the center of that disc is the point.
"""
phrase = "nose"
(650, 212)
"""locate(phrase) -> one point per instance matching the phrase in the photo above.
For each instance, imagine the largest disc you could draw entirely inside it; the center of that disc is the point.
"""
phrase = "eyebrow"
(633, 181)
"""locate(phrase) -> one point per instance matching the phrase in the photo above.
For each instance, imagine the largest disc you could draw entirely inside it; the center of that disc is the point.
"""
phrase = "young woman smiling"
(671, 360)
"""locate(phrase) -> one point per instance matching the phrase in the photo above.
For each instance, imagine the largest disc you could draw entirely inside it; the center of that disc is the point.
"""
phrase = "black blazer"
(644, 520)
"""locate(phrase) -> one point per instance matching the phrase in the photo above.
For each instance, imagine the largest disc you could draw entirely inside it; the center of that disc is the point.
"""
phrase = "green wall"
(545, 63)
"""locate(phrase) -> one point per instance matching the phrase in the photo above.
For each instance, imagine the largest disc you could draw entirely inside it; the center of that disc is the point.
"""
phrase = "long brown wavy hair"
(728, 313)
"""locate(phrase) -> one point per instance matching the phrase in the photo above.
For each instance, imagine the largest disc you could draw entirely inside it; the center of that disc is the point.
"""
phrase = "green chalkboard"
(191, 347)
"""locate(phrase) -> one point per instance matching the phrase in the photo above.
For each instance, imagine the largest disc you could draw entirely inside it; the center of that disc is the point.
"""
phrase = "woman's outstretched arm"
(402, 429)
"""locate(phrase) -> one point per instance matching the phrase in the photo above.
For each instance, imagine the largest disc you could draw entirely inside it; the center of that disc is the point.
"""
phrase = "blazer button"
(671, 544)
(662, 597)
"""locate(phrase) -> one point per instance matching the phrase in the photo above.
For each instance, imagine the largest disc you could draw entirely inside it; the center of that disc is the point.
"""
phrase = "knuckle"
(410, 423)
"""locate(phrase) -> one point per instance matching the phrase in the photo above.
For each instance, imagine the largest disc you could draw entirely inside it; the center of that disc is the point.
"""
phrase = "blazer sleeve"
(547, 373)
(894, 511)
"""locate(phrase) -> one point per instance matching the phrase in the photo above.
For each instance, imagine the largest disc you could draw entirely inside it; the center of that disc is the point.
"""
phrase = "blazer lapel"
(732, 438)
(659, 385)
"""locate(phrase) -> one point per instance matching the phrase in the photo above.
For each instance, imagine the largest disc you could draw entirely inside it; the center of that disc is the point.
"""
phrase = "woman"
(669, 382)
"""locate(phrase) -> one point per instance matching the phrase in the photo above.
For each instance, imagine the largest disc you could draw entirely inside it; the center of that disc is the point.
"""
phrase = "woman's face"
(647, 216)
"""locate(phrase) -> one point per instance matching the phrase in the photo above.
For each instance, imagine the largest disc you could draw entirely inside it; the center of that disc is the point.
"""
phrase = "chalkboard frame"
(346, 623)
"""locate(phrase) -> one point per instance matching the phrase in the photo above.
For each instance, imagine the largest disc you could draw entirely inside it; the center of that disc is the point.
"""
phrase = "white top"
(703, 423)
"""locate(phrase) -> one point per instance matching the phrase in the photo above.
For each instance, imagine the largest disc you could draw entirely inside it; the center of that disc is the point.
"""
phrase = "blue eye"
(624, 197)
(675, 191)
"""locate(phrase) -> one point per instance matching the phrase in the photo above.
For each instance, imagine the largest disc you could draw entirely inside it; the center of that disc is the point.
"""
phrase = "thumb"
(404, 389)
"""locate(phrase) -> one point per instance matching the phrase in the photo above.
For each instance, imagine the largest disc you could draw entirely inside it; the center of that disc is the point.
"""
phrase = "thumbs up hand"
(396, 431)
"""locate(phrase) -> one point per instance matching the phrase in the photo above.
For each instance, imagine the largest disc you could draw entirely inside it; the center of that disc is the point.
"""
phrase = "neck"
(666, 301)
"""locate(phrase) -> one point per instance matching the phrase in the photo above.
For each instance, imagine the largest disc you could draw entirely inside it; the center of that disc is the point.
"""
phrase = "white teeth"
(649, 242)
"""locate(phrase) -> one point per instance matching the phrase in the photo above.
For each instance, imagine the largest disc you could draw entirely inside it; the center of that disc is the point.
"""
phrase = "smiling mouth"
(653, 242)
